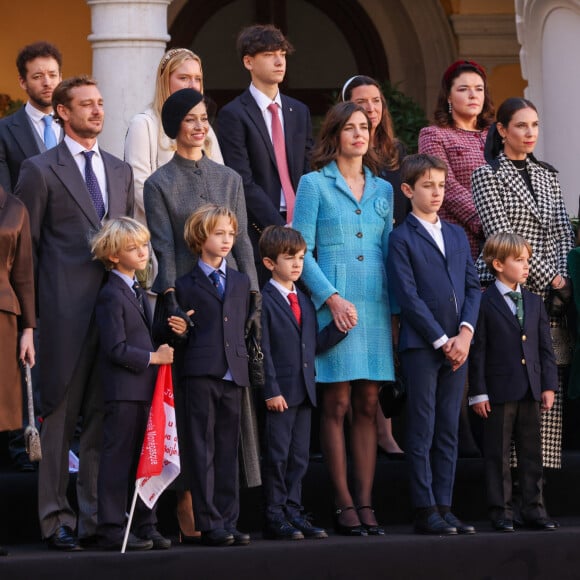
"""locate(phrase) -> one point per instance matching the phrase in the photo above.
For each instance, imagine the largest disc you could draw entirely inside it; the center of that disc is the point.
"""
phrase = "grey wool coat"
(172, 194)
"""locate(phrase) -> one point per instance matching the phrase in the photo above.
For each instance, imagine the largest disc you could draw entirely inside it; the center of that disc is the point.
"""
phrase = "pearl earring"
(450, 107)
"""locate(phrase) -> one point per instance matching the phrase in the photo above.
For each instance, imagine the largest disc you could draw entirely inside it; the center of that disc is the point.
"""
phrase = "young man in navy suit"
(436, 286)
(248, 128)
(512, 380)
(127, 365)
(290, 340)
(213, 369)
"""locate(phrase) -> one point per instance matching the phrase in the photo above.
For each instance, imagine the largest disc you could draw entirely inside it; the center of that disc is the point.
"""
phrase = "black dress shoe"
(371, 529)
(89, 542)
(344, 530)
(63, 539)
(218, 537)
(134, 544)
(503, 525)
(240, 539)
(281, 530)
(543, 524)
(3, 552)
(434, 524)
(309, 531)
(159, 542)
(461, 527)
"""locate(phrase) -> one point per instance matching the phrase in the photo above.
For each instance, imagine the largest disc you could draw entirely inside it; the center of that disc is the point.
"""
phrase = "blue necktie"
(49, 136)
(216, 279)
(93, 185)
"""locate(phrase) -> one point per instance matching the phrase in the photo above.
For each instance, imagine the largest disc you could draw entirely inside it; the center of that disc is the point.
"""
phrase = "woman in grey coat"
(171, 194)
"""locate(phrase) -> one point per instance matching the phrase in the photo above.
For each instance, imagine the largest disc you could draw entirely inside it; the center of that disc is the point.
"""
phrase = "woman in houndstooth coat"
(516, 193)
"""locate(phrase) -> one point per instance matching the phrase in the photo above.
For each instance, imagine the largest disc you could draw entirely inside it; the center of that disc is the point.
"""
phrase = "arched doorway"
(334, 39)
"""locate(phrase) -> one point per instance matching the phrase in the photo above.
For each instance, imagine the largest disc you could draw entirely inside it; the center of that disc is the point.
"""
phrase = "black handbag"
(392, 397)
(255, 361)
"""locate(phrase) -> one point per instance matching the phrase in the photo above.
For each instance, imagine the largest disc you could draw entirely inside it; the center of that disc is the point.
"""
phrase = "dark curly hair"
(36, 50)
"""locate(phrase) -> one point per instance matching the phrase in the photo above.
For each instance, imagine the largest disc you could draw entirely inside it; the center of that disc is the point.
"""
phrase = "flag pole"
(130, 521)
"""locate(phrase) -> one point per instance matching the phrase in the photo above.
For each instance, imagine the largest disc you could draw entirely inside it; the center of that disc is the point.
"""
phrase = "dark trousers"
(519, 420)
(434, 394)
(213, 409)
(124, 428)
(83, 398)
(286, 454)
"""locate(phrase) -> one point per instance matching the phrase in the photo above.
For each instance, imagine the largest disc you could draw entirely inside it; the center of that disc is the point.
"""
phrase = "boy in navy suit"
(213, 369)
(436, 286)
(290, 341)
(512, 379)
(127, 360)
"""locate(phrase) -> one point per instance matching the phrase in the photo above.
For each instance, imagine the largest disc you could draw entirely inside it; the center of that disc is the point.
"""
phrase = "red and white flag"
(159, 462)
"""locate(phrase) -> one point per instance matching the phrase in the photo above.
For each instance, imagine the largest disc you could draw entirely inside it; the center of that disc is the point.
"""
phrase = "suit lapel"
(421, 231)
(21, 130)
(203, 282)
(68, 172)
(283, 305)
(499, 303)
(114, 170)
(257, 119)
(289, 132)
(130, 295)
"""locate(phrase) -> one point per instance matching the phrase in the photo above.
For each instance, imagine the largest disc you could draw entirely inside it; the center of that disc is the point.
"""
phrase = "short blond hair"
(116, 235)
(502, 246)
(202, 222)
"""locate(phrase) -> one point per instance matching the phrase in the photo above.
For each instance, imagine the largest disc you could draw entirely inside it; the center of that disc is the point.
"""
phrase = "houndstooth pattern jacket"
(505, 204)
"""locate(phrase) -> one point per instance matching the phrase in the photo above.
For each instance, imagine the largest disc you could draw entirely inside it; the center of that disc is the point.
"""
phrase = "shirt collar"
(207, 269)
(503, 289)
(262, 100)
(76, 148)
(426, 224)
(284, 291)
(34, 113)
(127, 279)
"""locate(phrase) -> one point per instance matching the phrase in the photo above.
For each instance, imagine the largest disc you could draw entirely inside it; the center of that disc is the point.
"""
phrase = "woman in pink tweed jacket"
(463, 113)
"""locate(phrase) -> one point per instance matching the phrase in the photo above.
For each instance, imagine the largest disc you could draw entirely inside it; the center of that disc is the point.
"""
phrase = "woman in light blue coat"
(344, 211)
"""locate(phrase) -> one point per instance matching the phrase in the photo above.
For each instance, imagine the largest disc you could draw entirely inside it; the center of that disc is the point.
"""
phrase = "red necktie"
(282, 161)
(295, 307)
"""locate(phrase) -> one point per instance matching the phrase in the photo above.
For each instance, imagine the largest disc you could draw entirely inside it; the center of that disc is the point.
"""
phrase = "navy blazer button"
(305, 365)
(225, 318)
(524, 337)
(227, 344)
(523, 361)
(360, 258)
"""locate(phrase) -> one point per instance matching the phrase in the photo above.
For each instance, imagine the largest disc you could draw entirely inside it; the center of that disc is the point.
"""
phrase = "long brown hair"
(327, 148)
(385, 143)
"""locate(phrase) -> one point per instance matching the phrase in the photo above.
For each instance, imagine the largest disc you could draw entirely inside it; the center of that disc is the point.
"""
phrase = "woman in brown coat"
(16, 307)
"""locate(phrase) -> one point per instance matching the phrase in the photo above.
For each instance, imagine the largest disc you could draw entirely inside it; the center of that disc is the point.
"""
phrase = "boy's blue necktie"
(216, 279)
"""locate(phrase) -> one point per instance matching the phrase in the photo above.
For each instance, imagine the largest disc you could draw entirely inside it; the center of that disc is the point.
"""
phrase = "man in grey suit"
(30, 130)
(68, 191)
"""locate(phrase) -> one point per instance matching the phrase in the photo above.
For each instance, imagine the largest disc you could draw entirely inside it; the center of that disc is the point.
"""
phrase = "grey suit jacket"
(17, 143)
(172, 194)
(62, 221)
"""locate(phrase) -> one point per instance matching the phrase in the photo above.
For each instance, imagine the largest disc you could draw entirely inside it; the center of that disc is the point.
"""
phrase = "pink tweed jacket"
(463, 153)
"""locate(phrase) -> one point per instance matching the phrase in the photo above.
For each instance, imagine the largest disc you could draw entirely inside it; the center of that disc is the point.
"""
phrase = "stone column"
(549, 34)
(128, 38)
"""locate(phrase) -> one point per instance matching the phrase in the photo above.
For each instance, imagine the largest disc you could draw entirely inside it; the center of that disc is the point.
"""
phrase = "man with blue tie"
(31, 130)
(68, 191)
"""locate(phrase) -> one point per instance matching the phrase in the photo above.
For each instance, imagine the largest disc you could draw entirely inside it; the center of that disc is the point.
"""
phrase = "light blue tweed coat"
(351, 240)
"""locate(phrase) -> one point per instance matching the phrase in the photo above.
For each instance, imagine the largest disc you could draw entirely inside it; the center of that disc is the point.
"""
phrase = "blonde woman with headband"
(146, 145)
(147, 148)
